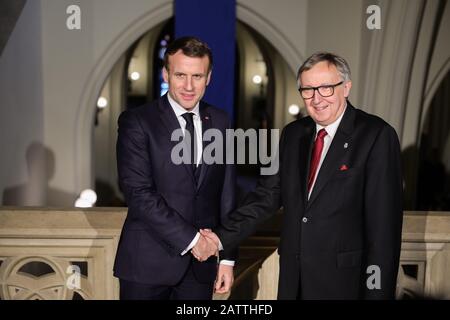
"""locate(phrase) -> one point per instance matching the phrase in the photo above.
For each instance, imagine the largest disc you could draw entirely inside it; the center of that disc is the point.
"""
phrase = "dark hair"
(191, 47)
(339, 62)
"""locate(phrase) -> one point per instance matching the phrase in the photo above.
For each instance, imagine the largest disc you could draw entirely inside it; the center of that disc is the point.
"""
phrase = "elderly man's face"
(187, 78)
(325, 110)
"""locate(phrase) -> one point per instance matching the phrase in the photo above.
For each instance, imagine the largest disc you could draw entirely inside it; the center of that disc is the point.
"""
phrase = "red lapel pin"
(343, 168)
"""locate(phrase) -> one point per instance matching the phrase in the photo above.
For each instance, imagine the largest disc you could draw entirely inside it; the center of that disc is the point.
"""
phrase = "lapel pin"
(343, 168)
(345, 145)
(206, 118)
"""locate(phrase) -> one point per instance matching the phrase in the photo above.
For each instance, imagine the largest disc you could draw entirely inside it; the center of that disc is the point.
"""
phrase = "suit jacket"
(167, 204)
(352, 220)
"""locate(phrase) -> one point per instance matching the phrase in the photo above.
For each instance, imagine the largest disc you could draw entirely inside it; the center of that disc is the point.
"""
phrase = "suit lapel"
(170, 121)
(305, 149)
(206, 124)
(336, 152)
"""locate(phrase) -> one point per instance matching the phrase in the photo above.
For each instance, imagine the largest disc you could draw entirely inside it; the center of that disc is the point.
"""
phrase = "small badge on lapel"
(345, 145)
(343, 168)
(206, 118)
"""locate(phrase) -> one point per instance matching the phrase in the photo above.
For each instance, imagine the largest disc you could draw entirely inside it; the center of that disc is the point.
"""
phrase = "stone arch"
(135, 29)
(287, 50)
(93, 85)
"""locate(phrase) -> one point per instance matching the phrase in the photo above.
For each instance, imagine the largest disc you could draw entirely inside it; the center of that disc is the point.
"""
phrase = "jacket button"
(305, 219)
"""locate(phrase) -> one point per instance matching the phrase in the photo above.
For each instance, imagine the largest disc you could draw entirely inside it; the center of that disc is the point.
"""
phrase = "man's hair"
(191, 47)
(339, 62)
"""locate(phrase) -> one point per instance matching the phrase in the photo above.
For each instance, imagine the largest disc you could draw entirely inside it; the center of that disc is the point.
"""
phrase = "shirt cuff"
(227, 262)
(192, 244)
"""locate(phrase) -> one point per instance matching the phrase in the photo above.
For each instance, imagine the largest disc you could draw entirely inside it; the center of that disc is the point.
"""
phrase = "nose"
(317, 98)
(188, 84)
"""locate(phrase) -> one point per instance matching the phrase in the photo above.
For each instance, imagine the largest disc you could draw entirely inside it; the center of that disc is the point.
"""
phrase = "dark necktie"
(188, 116)
(315, 157)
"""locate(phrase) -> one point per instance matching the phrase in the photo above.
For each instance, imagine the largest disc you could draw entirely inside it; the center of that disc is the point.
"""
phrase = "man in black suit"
(169, 203)
(340, 185)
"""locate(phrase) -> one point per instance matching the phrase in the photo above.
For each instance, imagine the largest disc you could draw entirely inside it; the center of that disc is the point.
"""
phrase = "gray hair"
(339, 62)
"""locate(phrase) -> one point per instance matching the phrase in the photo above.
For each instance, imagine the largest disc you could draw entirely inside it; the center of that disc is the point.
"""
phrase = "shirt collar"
(179, 110)
(332, 128)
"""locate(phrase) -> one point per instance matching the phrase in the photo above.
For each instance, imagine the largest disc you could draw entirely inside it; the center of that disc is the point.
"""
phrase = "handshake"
(206, 246)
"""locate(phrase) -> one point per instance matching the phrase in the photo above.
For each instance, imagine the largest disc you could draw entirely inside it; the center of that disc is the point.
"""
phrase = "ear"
(165, 75)
(347, 87)
(208, 77)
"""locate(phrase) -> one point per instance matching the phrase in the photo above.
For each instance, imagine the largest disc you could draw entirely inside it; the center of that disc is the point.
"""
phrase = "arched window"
(165, 37)
(136, 79)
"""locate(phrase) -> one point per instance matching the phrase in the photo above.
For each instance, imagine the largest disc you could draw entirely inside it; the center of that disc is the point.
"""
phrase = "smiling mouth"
(188, 96)
(320, 108)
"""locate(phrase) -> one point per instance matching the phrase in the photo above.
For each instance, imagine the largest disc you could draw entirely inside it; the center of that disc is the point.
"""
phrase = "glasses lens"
(326, 91)
(307, 93)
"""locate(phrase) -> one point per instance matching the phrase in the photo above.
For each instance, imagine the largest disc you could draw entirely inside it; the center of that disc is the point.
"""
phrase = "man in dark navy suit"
(168, 203)
(340, 184)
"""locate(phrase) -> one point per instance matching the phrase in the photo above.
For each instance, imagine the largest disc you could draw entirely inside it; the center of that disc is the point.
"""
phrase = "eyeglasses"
(324, 91)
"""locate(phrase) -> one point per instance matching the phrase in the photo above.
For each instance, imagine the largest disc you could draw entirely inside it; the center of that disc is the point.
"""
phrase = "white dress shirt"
(179, 111)
(331, 132)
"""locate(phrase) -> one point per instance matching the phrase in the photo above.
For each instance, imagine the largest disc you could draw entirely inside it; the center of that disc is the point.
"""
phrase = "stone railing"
(69, 254)
(59, 254)
(425, 257)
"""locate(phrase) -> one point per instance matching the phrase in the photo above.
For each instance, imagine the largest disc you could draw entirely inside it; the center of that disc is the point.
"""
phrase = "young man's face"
(325, 110)
(187, 78)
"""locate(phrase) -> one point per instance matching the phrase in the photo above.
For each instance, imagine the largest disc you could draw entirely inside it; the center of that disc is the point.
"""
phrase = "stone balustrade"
(48, 253)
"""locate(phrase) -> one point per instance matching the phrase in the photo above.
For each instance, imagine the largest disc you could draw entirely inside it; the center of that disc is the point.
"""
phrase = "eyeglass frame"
(332, 86)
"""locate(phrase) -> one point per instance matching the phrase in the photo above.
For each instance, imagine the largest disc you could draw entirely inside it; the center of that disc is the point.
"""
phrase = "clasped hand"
(206, 246)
